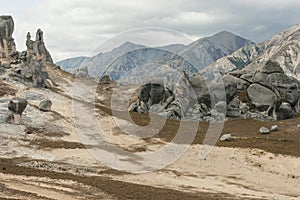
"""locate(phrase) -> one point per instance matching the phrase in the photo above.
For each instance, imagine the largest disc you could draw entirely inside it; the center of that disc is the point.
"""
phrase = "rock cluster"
(272, 92)
(267, 94)
(27, 66)
(155, 97)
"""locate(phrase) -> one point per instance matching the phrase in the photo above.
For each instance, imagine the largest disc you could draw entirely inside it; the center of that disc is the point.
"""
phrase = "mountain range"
(128, 56)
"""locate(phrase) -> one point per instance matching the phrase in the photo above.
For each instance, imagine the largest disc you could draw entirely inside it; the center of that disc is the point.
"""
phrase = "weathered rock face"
(285, 111)
(27, 66)
(263, 98)
(267, 94)
(272, 76)
(155, 97)
(153, 93)
(7, 44)
(37, 48)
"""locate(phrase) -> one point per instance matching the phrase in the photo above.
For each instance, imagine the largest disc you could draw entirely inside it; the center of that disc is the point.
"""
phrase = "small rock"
(221, 107)
(244, 108)
(274, 128)
(285, 111)
(298, 126)
(166, 114)
(264, 130)
(6, 65)
(45, 105)
(133, 107)
(48, 83)
(226, 137)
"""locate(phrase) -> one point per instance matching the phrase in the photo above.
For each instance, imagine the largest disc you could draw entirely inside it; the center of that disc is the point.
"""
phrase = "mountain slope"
(97, 64)
(198, 54)
(207, 50)
(283, 48)
(68, 64)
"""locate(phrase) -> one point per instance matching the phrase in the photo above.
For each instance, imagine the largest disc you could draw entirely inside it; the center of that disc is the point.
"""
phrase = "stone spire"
(7, 44)
(37, 48)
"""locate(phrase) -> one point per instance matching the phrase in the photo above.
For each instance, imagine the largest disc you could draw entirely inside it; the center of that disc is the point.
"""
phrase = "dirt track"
(112, 188)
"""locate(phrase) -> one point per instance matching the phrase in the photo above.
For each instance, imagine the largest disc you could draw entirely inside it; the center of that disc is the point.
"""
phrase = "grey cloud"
(76, 27)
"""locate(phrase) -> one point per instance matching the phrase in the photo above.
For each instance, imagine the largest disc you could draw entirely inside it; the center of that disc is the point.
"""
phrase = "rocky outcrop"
(154, 97)
(262, 98)
(37, 48)
(7, 44)
(28, 66)
(267, 94)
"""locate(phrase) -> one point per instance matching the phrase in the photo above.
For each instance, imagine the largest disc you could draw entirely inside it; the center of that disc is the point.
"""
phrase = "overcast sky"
(77, 27)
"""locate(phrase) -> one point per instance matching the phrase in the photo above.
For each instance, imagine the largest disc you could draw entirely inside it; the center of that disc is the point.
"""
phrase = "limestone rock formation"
(263, 98)
(267, 94)
(154, 97)
(16, 106)
(7, 44)
(37, 48)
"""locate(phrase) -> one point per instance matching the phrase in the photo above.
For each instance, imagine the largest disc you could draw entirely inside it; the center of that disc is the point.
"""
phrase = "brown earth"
(118, 189)
(245, 131)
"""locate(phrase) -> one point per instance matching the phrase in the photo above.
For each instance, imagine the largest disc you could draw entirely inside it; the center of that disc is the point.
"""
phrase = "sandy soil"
(44, 158)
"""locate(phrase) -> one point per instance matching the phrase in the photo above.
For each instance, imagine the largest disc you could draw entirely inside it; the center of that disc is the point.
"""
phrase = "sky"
(82, 27)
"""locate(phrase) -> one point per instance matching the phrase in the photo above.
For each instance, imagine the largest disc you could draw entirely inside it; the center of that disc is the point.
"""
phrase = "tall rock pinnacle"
(7, 44)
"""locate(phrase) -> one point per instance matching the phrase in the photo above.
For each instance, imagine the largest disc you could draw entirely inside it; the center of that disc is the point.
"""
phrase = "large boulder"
(7, 44)
(288, 87)
(271, 67)
(233, 108)
(262, 98)
(45, 105)
(17, 105)
(272, 76)
(153, 93)
(285, 111)
(214, 90)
